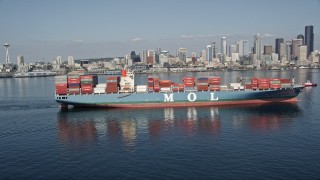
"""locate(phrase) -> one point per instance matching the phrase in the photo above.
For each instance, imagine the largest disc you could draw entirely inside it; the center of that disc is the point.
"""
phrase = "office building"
(267, 50)
(277, 45)
(182, 54)
(257, 46)
(309, 39)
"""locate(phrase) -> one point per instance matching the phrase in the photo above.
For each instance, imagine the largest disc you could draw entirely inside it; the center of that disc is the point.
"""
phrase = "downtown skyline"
(91, 29)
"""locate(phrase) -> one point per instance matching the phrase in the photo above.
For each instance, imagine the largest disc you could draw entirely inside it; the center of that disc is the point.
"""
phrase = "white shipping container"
(165, 89)
(99, 90)
(141, 88)
(101, 85)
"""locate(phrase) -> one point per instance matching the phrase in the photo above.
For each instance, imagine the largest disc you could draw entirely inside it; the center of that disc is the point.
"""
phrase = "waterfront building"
(257, 46)
(182, 54)
(278, 46)
(309, 39)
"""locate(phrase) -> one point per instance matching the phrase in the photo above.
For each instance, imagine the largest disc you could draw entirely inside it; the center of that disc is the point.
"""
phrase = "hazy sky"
(43, 29)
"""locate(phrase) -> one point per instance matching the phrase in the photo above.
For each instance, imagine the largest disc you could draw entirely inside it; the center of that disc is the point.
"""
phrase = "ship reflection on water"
(130, 126)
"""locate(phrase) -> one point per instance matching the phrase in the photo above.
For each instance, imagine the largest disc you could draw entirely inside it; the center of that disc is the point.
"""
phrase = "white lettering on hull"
(191, 97)
(168, 98)
(212, 97)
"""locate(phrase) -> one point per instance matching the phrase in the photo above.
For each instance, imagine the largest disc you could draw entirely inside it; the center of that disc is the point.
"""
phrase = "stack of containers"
(88, 82)
(285, 83)
(202, 84)
(156, 84)
(254, 83)
(177, 87)
(74, 84)
(189, 83)
(214, 83)
(275, 83)
(112, 84)
(61, 83)
(150, 83)
(264, 83)
(165, 85)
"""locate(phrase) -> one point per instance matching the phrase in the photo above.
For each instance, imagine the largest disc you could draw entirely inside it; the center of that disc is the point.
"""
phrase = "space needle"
(6, 46)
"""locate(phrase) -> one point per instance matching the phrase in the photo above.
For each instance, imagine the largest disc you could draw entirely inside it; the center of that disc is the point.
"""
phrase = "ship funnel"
(124, 73)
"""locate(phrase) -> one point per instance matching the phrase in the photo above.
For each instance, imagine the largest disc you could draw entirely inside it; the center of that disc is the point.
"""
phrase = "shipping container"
(285, 81)
(214, 87)
(99, 90)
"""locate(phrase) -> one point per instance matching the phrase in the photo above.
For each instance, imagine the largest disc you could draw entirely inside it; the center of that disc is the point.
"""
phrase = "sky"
(41, 30)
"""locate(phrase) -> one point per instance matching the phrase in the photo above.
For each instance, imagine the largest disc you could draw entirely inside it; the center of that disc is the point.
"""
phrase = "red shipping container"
(214, 87)
(254, 80)
(73, 80)
(285, 81)
(87, 77)
(248, 86)
(61, 90)
(62, 85)
(254, 86)
(189, 84)
(275, 86)
(202, 87)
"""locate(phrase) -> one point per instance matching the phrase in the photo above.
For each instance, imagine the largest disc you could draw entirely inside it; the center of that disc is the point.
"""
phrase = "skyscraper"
(295, 45)
(257, 46)
(277, 46)
(243, 48)
(214, 53)
(20, 60)
(309, 39)
(224, 46)
(223, 49)
(209, 53)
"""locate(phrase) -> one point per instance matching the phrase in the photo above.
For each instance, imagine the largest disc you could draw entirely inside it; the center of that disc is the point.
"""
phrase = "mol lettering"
(168, 98)
(213, 98)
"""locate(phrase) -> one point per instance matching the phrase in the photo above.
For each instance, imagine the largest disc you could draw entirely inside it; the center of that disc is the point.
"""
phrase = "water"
(277, 141)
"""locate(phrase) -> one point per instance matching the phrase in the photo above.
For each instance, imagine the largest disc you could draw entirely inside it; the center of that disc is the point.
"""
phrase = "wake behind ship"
(121, 91)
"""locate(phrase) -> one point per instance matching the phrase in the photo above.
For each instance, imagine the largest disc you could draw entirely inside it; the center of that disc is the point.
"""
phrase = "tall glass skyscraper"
(277, 46)
(257, 46)
(309, 39)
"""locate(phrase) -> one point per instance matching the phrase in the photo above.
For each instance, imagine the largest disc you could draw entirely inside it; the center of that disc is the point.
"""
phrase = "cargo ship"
(121, 92)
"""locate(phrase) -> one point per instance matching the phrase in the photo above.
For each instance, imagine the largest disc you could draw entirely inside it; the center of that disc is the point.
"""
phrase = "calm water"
(277, 141)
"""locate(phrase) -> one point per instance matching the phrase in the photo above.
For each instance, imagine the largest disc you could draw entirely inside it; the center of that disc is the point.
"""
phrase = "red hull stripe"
(193, 104)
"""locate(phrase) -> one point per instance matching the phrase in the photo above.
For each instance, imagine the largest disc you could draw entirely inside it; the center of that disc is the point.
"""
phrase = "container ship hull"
(180, 99)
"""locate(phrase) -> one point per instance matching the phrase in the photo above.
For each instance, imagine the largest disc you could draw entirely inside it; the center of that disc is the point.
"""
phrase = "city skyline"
(44, 30)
